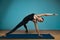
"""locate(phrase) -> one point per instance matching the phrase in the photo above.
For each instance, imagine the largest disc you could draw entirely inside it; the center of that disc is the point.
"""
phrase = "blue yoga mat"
(28, 36)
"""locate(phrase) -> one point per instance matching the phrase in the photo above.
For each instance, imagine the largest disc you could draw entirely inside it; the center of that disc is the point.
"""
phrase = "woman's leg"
(26, 28)
(19, 25)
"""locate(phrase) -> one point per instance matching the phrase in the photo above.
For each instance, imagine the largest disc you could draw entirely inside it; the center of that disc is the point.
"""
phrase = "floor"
(55, 33)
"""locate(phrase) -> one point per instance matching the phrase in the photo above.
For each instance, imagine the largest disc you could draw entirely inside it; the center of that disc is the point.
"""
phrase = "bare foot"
(2, 34)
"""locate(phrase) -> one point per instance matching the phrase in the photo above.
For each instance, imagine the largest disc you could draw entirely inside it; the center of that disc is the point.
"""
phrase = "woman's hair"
(43, 18)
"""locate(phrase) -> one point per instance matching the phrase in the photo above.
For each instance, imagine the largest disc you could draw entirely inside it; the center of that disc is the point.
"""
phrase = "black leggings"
(19, 25)
(23, 22)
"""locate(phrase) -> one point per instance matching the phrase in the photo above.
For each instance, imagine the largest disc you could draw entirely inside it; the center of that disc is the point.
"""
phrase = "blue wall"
(13, 11)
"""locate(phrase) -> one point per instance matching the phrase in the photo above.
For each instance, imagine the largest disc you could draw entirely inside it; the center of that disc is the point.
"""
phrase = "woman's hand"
(55, 14)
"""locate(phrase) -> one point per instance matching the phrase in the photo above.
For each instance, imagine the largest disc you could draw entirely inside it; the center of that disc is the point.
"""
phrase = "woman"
(31, 17)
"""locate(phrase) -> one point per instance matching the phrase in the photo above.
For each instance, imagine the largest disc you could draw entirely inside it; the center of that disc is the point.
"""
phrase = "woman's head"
(40, 19)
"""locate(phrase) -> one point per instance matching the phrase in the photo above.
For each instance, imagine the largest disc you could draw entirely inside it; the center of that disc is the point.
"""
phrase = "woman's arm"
(46, 14)
(36, 28)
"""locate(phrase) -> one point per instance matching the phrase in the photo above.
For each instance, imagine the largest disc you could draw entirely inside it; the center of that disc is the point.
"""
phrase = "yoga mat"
(28, 36)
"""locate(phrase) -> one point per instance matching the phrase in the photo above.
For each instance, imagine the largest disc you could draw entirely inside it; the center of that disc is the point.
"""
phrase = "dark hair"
(43, 19)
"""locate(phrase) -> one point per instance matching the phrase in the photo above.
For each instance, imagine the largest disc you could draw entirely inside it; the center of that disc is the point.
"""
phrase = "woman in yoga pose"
(32, 17)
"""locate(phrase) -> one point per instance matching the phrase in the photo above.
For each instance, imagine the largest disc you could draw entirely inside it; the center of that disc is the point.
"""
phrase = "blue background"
(13, 11)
